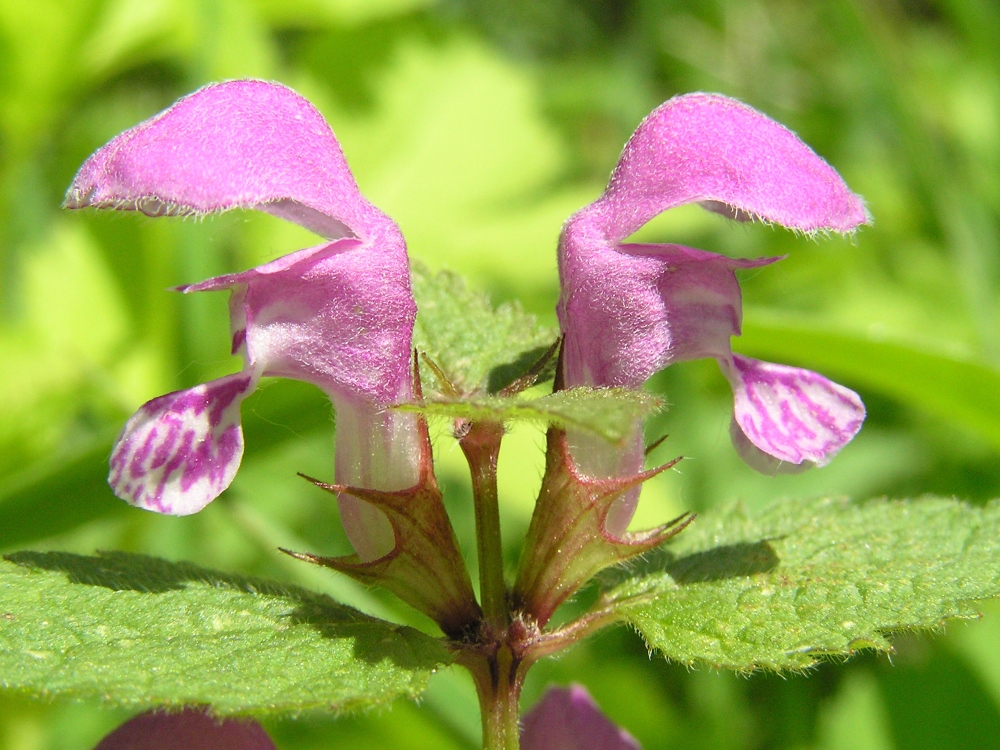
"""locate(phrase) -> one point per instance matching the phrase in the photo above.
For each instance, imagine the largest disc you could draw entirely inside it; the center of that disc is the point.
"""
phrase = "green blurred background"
(480, 126)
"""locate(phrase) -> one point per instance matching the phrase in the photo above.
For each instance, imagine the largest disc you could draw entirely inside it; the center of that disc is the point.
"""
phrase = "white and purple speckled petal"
(794, 415)
(180, 451)
(757, 459)
(239, 144)
(569, 719)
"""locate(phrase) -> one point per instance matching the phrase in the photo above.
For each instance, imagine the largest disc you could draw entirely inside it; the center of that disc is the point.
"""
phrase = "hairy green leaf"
(478, 348)
(610, 413)
(805, 580)
(140, 631)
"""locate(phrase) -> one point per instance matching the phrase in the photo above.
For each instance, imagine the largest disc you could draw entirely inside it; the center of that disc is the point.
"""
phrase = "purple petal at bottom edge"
(757, 459)
(567, 718)
(190, 729)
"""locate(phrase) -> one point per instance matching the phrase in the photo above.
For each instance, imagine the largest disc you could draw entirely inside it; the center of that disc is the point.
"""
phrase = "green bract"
(804, 580)
(607, 412)
(478, 348)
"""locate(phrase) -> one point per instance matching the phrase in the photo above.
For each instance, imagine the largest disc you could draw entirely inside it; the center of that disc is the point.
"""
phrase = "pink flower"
(191, 729)
(568, 719)
(339, 315)
(629, 310)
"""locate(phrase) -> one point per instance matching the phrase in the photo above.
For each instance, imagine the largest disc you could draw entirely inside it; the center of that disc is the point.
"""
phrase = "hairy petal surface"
(338, 315)
(190, 729)
(179, 451)
(568, 719)
(711, 149)
(793, 415)
(635, 310)
(239, 144)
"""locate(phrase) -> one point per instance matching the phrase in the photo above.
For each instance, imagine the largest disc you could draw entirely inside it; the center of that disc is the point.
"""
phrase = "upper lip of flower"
(339, 315)
(630, 310)
(240, 144)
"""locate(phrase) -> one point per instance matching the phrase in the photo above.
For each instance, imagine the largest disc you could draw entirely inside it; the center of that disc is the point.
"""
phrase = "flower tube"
(339, 315)
(628, 311)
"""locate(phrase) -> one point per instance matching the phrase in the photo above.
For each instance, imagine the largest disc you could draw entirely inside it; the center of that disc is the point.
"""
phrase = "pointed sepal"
(568, 540)
(425, 567)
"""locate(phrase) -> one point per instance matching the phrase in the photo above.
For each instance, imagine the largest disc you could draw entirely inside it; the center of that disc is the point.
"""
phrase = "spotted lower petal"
(180, 451)
(793, 415)
(569, 719)
(757, 459)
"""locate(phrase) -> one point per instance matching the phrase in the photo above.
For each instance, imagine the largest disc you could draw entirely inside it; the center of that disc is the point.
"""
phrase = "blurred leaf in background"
(480, 126)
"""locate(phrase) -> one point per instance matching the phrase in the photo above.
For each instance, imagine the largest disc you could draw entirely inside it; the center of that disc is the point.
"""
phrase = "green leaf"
(478, 348)
(138, 631)
(610, 413)
(805, 580)
(960, 391)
